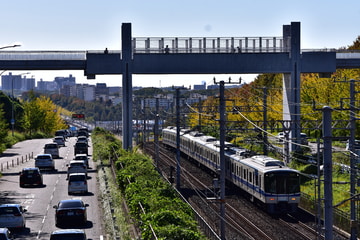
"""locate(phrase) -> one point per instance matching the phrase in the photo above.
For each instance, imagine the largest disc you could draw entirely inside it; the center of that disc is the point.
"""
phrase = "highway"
(39, 201)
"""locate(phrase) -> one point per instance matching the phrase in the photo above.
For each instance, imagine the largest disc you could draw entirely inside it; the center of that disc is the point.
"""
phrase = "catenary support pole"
(222, 159)
(327, 155)
(178, 169)
(353, 171)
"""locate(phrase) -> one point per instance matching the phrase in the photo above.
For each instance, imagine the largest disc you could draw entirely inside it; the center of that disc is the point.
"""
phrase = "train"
(266, 180)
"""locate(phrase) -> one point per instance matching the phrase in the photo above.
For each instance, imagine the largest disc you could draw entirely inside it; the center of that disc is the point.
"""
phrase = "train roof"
(265, 163)
(208, 139)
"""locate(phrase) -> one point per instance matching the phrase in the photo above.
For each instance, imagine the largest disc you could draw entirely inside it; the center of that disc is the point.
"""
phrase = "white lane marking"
(30, 198)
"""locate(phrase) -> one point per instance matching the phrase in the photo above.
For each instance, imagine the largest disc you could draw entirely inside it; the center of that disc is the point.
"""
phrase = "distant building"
(11, 82)
(115, 91)
(62, 81)
(47, 86)
(200, 86)
(17, 83)
(213, 87)
(89, 93)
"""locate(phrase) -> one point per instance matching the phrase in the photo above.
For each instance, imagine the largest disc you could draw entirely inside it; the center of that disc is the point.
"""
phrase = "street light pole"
(12, 90)
(11, 46)
(12, 121)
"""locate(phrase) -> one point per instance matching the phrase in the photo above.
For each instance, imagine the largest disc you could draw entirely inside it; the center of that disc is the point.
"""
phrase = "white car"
(5, 234)
(82, 139)
(73, 234)
(280, 136)
(12, 216)
(76, 166)
(82, 157)
(60, 141)
(77, 183)
(44, 161)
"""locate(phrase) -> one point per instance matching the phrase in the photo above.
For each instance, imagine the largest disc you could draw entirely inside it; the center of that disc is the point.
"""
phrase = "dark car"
(81, 148)
(70, 211)
(68, 234)
(30, 176)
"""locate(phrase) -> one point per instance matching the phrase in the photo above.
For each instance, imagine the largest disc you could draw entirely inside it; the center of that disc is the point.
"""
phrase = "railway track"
(197, 186)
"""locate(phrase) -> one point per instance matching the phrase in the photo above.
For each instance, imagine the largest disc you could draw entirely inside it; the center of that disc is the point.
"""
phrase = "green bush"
(150, 199)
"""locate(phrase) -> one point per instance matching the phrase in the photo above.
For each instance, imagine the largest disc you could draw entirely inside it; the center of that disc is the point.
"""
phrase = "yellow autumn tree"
(41, 114)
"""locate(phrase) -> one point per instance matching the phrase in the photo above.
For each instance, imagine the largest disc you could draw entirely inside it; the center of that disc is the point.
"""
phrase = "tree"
(41, 114)
(3, 127)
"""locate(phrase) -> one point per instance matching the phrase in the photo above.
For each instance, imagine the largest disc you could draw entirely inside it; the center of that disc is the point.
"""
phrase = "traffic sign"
(78, 115)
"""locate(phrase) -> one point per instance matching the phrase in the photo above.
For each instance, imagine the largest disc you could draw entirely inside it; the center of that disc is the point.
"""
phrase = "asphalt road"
(39, 201)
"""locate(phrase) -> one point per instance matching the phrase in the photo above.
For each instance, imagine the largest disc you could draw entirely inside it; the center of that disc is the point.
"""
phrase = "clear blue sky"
(95, 25)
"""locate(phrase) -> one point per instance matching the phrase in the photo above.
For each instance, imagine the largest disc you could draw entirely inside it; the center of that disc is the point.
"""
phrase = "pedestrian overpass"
(179, 55)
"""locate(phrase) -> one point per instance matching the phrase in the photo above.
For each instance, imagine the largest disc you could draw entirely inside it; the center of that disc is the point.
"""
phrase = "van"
(53, 149)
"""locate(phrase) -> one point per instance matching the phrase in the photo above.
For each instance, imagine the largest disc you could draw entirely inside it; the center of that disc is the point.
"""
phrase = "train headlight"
(293, 199)
(272, 199)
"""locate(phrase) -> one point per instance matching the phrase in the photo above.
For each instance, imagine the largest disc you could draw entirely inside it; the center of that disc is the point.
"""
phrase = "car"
(68, 234)
(5, 234)
(76, 166)
(53, 149)
(82, 139)
(70, 211)
(82, 157)
(83, 132)
(77, 183)
(60, 141)
(63, 132)
(30, 176)
(44, 161)
(12, 216)
(356, 145)
(303, 138)
(81, 147)
(280, 136)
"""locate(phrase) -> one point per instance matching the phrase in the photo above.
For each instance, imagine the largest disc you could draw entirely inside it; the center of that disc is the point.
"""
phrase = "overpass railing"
(41, 55)
(208, 45)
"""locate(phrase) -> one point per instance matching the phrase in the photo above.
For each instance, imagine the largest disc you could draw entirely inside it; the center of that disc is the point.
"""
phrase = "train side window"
(250, 177)
(256, 178)
(244, 173)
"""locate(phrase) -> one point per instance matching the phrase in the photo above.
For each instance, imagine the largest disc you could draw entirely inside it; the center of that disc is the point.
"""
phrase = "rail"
(42, 55)
(157, 45)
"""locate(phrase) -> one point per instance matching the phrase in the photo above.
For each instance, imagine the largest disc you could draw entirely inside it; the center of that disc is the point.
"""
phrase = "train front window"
(282, 182)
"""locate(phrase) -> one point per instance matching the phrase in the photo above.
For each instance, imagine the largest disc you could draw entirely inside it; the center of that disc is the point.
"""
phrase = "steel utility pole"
(327, 155)
(222, 112)
(222, 159)
(156, 133)
(353, 220)
(178, 168)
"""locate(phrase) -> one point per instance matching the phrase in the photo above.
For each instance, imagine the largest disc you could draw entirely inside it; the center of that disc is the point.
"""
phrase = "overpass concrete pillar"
(126, 55)
(291, 82)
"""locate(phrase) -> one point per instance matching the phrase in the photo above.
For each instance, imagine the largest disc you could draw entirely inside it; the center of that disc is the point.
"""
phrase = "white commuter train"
(264, 178)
